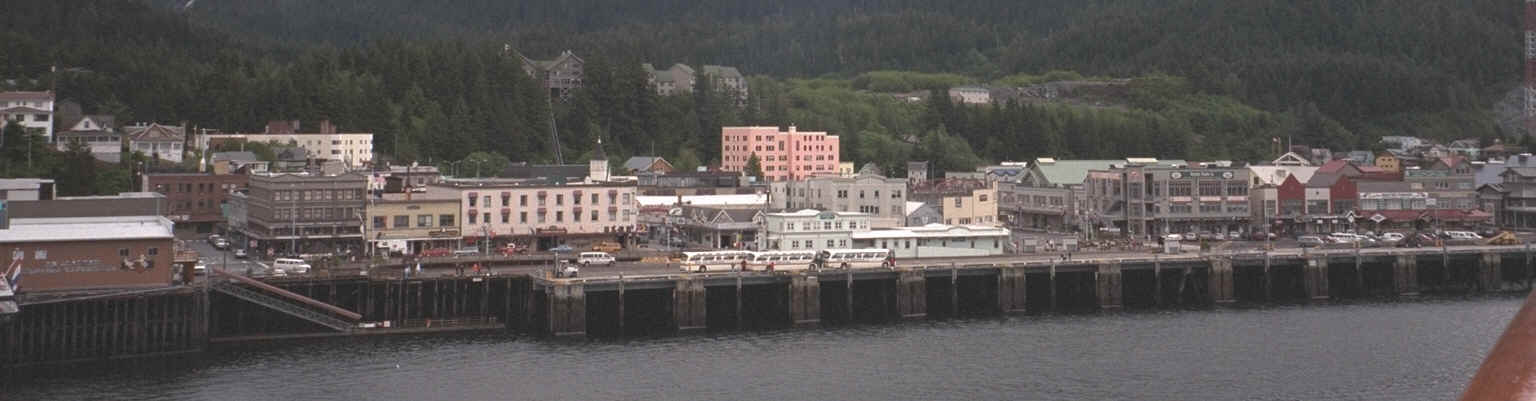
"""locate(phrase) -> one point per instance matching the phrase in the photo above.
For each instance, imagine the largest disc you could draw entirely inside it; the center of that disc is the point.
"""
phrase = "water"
(1418, 350)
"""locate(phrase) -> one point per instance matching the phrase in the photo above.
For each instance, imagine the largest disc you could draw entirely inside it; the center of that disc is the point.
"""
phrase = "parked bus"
(854, 258)
(713, 260)
(781, 260)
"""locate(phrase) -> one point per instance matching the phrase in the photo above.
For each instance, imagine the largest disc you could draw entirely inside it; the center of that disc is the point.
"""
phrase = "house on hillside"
(165, 142)
(98, 133)
(560, 75)
(647, 164)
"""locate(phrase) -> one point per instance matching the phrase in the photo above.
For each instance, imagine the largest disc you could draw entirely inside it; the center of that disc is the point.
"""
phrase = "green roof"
(1072, 172)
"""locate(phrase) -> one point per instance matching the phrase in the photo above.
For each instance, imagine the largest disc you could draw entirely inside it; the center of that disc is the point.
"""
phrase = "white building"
(936, 240)
(33, 110)
(155, 140)
(97, 132)
(353, 148)
(811, 229)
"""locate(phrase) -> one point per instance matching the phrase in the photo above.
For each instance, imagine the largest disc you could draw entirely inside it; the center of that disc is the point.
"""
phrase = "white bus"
(854, 258)
(713, 260)
(781, 260)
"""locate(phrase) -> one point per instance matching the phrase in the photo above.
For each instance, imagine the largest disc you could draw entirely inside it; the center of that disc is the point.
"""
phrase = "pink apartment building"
(785, 156)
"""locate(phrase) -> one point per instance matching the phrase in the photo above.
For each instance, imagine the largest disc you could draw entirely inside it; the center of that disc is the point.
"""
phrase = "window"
(575, 198)
(830, 243)
(842, 194)
(895, 194)
(424, 220)
(959, 202)
(151, 252)
(121, 252)
(402, 221)
(487, 218)
(1180, 209)
(522, 200)
(1179, 189)
(559, 216)
(378, 222)
(594, 216)
(472, 218)
(1236, 189)
(506, 200)
(445, 220)
(42, 254)
(982, 198)
(506, 218)
(471, 201)
(794, 244)
(1210, 189)
(522, 217)
(487, 202)
(594, 199)
(559, 199)
(842, 243)
(1210, 207)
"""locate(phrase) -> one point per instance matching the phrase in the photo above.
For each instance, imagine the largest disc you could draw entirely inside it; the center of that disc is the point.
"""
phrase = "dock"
(616, 303)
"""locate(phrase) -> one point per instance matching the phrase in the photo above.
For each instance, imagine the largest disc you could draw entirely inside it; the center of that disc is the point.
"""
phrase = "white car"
(200, 267)
(595, 258)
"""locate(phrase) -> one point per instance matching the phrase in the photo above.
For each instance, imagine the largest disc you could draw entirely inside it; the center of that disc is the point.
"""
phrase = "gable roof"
(721, 71)
(1523, 172)
(643, 162)
(1341, 166)
(155, 133)
(25, 95)
(234, 156)
(1275, 175)
(102, 122)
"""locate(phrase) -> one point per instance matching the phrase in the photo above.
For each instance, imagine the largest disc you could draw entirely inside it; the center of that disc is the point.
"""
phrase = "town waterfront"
(1418, 349)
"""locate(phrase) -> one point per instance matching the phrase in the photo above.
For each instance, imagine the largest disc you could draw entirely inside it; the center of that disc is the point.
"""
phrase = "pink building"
(785, 156)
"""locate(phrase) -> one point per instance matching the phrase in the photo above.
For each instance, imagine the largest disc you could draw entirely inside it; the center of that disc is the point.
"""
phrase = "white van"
(286, 265)
(594, 258)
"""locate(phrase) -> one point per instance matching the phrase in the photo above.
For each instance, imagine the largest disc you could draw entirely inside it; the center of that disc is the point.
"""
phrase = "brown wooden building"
(194, 200)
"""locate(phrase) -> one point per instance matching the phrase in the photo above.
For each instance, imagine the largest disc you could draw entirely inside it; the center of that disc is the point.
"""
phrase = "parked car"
(435, 252)
(1260, 236)
(213, 237)
(595, 258)
(511, 249)
(1391, 238)
(1173, 237)
(1352, 239)
(282, 266)
(569, 271)
(1310, 241)
(466, 251)
(200, 267)
(221, 243)
(1234, 235)
(1191, 236)
(240, 253)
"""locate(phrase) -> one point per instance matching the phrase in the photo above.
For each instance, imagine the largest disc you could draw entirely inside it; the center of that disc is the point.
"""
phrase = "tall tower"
(1530, 67)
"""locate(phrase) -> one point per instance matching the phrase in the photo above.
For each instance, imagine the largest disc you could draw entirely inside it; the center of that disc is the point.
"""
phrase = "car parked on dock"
(240, 253)
(595, 258)
(1310, 241)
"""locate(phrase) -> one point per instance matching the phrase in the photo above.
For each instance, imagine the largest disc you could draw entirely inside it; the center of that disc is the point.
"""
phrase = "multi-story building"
(408, 223)
(300, 213)
(33, 110)
(883, 199)
(195, 201)
(960, 201)
(811, 230)
(728, 80)
(560, 75)
(81, 253)
(675, 80)
(970, 95)
(1144, 199)
(327, 143)
(1449, 181)
(545, 213)
(1049, 193)
(784, 156)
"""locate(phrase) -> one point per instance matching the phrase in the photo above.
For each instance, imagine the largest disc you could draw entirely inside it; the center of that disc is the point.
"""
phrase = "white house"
(33, 110)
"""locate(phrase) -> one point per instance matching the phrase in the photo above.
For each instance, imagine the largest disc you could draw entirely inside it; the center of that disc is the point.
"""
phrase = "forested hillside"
(1210, 79)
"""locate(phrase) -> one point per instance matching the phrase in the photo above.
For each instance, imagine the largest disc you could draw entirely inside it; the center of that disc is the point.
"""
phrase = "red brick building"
(194, 200)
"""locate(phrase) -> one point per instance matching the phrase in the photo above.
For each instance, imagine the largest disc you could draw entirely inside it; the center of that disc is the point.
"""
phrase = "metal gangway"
(286, 301)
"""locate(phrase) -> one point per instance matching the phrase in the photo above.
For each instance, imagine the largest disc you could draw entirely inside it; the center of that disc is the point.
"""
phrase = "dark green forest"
(1210, 79)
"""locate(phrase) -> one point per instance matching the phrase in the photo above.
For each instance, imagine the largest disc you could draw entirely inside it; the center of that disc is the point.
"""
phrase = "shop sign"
(1179, 175)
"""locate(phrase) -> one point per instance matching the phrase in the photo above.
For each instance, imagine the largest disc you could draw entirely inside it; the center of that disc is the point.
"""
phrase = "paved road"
(213, 257)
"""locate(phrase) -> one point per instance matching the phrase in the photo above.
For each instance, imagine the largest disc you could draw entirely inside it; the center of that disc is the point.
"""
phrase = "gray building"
(884, 199)
(1048, 193)
(1449, 181)
(317, 213)
(921, 214)
(1143, 200)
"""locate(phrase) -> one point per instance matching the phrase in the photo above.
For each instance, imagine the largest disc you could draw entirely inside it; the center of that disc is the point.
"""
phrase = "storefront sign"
(1179, 175)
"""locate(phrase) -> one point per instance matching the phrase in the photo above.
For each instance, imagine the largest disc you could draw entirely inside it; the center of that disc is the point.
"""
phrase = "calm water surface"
(1419, 350)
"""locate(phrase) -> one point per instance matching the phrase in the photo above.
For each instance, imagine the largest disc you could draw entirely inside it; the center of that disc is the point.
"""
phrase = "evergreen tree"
(754, 167)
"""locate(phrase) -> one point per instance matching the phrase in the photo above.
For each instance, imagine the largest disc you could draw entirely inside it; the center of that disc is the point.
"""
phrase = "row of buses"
(786, 260)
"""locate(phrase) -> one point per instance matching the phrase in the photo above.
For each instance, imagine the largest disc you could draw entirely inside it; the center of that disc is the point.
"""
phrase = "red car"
(512, 249)
(436, 252)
